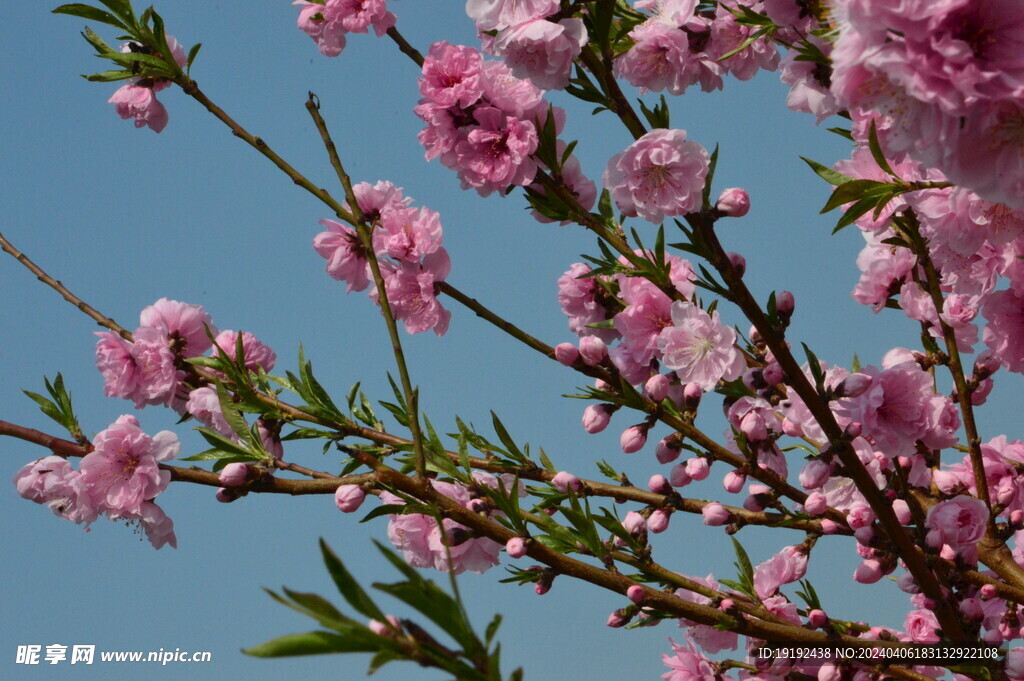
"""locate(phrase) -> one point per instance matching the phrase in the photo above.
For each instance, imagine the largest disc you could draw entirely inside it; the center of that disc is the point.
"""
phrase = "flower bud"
(666, 452)
(738, 262)
(854, 429)
(565, 481)
(854, 385)
(603, 385)
(727, 604)
(815, 504)
(792, 428)
(773, 374)
(987, 592)
(933, 539)
(659, 485)
(1016, 519)
(226, 495)
(541, 588)
(678, 477)
(1014, 664)
(698, 468)
(785, 303)
(828, 671)
(349, 497)
(828, 527)
(947, 482)
(592, 350)
(715, 515)
(868, 572)
(657, 387)
(980, 394)
(616, 620)
(753, 502)
(478, 506)
(516, 547)
(636, 594)
(733, 202)
(566, 353)
(971, 609)
(908, 584)
(633, 439)
(658, 522)
(596, 418)
(814, 474)
(902, 511)
(860, 515)
(1005, 495)
(385, 630)
(817, 618)
(733, 482)
(635, 524)
(755, 337)
(754, 428)
(691, 395)
(234, 474)
(865, 536)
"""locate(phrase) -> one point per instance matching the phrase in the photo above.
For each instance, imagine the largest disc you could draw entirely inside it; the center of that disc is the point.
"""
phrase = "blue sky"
(125, 216)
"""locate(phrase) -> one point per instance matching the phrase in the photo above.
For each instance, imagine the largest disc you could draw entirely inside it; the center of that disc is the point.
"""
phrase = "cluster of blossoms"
(119, 478)
(677, 47)
(947, 77)
(534, 43)
(482, 121)
(407, 244)
(328, 22)
(972, 243)
(137, 98)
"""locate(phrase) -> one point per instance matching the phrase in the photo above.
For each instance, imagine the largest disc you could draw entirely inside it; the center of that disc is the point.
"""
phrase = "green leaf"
(91, 13)
(876, 150)
(706, 194)
(855, 190)
(348, 587)
(743, 565)
(192, 57)
(505, 438)
(309, 643)
(827, 174)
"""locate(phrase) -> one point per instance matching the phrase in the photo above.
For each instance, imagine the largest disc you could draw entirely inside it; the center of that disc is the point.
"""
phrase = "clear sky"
(125, 216)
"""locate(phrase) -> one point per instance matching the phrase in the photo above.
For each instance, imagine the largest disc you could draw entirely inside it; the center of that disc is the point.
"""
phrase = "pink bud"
(715, 515)
(753, 427)
(817, 618)
(226, 495)
(947, 552)
(603, 386)
(753, 503)
(815, 504)
(565, 481)
(596, 418)
(566, 353)
(785, 303)
(773, 374)
(792, 428)
(516, 547)
(933, 539)
(349, 497)
(733, 482)
(865, 536)
(727, 604)
(635, 524)
(385, 630)
(636, 594)
(971, 609)
(755, 336)
(234, 474)
(733, 202)
(1004, 495)
(679, 477)
(658, 522)
(633, 439)
(854, 385)
(902, 511)
(854, 429)
(828, 671)
(691, 395)
(987, 592)
(478, 506)
(738, 262)
(698, 468)
(665, 452)
(980, 393)
(828, 527)
(868, 572)
(1016, 519)
(814, 474)
(907, 584)
(657, 387)
(592, 350)
(659, 485)
(860, 515)
(541, 588)
(616, 620)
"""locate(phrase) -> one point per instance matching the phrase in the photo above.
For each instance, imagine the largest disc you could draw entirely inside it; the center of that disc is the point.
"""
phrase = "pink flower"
(345, 259)
(325, 28)
(893, 410)
(699, 347)
(156, 375)
(542, 51)
(661, 174)
(1004, 333)
(727, 35)
(122, 471)
(578, 295)
(408, 233)
(496, 152)
(410, 291)
(648, 311)
(185, 325)
(687, 664)
(921, 626)
(451, 75)
(114, 360)
(256, 354)
(53, 481)
(960, 521)
(733, 202)
(788, 565)
(204, 404)
(499, 14)
(158, 527)
(358, 15)
(660, 59)
(139, 102)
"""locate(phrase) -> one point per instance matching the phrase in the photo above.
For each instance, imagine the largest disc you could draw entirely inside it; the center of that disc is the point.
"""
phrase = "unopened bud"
(773, 374)
(1005, 495)
(727, 604)
(715, 515)
(516, 547)
(565, 481)
(817, 618)
(234, 474)
(387, 630)
(636, 594)
(733, 482)
(754, 428)
(566, 353)
(667, 451)
(902, 511)
(738, 262)
(1016, 519)
(691, 395)
(987, 592)
(698, 468)
(592, 350)
(349, 498)
(478, 506)
(829, 526)
(785, 303)
(633, 439)
(226, 495)
(596, 418)
(814, 474)
(868, 572)
(616, 620)
(659, 484)
(733, 202)
(678, 477)
(854, 429)
(657, 387)
(815, 504)
(658, 522)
